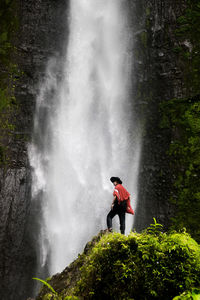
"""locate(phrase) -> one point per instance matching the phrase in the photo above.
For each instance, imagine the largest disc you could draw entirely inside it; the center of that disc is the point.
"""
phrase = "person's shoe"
(109, 229)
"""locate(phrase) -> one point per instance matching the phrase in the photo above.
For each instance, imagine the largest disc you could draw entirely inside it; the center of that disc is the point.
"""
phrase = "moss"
(54, 297)
(64, 284)
(194, 294)
(71, 298)
(49, 296)
(150, 265)
(9, 73)
(143, 37)
(140, 266)
(181, 116)
(148, 11)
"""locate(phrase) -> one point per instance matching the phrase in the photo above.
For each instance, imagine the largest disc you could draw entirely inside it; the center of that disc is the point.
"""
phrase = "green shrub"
(194, 294)
(140, 266)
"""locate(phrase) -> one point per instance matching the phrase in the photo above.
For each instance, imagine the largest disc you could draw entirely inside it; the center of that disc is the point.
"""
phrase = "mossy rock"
(65, 282)
(139, 266)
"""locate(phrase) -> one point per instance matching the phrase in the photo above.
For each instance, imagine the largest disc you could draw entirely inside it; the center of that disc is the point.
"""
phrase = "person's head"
(115, 180)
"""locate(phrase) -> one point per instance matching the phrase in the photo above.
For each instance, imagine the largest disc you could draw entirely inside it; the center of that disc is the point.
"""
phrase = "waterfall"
(85, 130)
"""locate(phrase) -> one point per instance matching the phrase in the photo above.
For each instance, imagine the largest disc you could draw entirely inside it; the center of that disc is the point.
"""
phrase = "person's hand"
(112, 206)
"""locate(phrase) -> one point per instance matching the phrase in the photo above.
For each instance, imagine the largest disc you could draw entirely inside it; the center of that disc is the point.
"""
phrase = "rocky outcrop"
(67, 280)
(138, 266)
(41, 35)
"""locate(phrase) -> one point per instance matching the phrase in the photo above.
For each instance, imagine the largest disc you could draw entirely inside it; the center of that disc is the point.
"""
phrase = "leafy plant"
(194, 294)
(54, 295)
(47, 284)
(155, 228)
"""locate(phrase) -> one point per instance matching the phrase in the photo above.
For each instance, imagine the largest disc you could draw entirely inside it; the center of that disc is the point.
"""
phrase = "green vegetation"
(8, 73)
(150, 265)
(182, 117)
(54, 295)
(194, 294)
(47, 284)
(140, 267)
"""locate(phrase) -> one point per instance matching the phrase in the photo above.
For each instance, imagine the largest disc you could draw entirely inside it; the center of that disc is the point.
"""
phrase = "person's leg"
(122, 215)
(110, 216)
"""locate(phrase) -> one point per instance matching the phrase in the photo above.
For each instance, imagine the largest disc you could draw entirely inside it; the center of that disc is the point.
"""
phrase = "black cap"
(117, 179)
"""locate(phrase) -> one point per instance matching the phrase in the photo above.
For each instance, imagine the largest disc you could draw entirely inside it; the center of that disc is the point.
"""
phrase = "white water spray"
(89, 132)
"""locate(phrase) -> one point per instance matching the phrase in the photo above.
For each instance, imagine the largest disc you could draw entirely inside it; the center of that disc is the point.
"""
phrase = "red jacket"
(123, 195)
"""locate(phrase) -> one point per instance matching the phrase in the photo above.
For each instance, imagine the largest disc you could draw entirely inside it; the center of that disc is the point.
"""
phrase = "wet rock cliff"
(159, 79)
(39, 35)
(168, 96)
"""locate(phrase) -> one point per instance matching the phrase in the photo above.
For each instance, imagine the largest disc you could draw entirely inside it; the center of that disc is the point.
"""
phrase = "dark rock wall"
(158, 78)
(41, 35)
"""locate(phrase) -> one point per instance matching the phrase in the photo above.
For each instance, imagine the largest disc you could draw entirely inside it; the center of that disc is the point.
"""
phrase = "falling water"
(85, 130)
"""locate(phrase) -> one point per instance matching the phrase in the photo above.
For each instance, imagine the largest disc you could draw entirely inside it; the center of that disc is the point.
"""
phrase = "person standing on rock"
(120, 204)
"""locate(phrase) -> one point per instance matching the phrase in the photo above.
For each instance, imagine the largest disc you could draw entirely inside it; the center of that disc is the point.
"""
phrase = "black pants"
(120, 210)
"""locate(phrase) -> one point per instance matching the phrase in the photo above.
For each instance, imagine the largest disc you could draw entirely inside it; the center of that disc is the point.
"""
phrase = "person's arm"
(113, 202)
